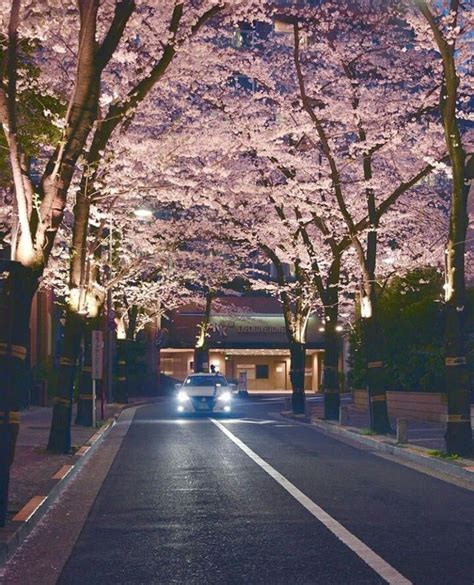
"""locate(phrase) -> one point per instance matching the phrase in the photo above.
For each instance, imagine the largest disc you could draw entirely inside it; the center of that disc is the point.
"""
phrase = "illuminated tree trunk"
(201, 351)
(372, 333)
(201, 359)
(372, 337)
(297, 367)
(85, 403)
(459, 431)
(121, 384)
(132, 322)
(60, 432)
(332, 398)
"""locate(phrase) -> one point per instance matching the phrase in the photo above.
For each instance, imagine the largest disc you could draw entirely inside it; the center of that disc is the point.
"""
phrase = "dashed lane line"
(371, 558)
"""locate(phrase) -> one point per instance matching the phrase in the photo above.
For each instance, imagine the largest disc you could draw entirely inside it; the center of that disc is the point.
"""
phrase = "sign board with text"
(97, 354)
(242, 381)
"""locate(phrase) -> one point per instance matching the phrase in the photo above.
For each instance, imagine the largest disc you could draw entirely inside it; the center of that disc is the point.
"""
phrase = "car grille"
(203, 402)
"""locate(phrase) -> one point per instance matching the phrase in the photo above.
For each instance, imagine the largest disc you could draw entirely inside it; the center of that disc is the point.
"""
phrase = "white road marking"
(365, 553)
(425, 439)
(272, 400)
(250, 421)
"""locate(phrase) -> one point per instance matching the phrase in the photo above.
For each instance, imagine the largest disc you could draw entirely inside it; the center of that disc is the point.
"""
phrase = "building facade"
(247, 338)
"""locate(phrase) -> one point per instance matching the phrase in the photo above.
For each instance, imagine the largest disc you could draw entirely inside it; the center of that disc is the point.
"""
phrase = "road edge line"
(365, 553)
(11, 536)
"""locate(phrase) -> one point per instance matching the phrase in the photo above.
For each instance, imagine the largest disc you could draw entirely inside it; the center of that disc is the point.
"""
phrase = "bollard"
(343, 415)
(402, 434)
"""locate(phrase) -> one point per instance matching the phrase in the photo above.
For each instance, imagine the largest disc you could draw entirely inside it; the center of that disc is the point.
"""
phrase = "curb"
(18, 528)
(461, 469)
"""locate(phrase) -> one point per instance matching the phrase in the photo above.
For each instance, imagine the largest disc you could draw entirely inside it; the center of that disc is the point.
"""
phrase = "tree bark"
(121, 385)
(60, 432)
(373, 341)
(297, 367)
(132, 322)
(201, 351)
(17, 290)
(85, 403)
(459, 431)
(332, 399)
(201, 359)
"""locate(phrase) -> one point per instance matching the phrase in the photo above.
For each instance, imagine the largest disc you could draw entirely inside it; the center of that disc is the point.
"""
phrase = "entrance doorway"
(280, 376)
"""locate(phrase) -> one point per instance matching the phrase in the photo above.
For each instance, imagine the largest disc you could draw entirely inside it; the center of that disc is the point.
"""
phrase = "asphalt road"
(258, 499)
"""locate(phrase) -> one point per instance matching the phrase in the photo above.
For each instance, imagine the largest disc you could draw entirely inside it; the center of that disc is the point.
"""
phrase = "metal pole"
(93, 403)
(109, 332)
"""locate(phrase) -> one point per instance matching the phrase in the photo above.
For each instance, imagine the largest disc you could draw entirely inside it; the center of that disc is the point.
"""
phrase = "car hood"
(203, 390)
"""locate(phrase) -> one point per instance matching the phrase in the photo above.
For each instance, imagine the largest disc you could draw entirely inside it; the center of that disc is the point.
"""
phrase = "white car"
(204, 393)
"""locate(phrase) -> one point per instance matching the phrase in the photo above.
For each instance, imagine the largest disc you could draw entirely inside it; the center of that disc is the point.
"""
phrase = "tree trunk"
(201, 351)
(332, 399)
(373, 341)
(297, 367)
(458, 432)
(201, 359)
(151, 380)
(18, 286)
(85, 403)
(132, 322)
(121, 386)
(60, 432)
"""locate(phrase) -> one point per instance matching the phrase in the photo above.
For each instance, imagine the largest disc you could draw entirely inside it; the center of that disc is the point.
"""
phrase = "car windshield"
(210, 380)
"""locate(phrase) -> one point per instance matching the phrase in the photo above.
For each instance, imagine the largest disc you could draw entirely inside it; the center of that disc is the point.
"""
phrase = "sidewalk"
(425, 440)
(36, 474)
(420, 433)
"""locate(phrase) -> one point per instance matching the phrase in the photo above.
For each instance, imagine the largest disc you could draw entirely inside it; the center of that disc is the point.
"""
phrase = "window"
(261, 372)
(211, 380)
(167, 366)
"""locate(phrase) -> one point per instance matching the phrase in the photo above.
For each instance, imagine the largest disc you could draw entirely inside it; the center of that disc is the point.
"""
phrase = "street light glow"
(143, 213)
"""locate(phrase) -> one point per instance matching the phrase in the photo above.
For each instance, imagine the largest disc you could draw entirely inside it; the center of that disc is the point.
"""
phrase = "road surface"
(249, 499)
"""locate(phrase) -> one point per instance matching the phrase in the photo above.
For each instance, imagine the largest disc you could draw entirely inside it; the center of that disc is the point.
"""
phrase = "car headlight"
(182, 396)
(225, 396)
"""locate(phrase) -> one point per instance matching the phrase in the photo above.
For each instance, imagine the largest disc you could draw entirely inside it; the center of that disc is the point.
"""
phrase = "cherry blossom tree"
(355, 129)
(40, 203)
(349, 135)
(447, 28)
(179, 26)
(107, 63)
(321, 171)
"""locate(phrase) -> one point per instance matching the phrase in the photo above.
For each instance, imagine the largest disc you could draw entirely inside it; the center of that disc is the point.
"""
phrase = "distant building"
(249, 338)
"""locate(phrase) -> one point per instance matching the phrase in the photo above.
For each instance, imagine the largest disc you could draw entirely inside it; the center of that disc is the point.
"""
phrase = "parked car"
(204, 393)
